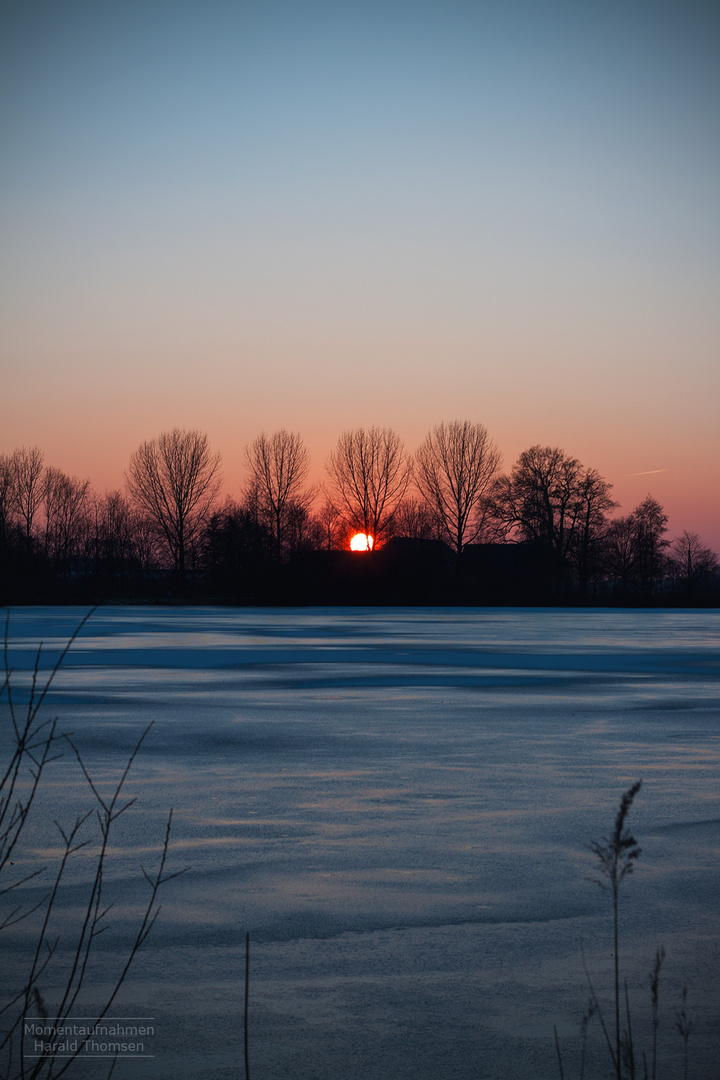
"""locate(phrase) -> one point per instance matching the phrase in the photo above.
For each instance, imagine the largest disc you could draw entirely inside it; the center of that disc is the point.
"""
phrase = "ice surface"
(395, 804)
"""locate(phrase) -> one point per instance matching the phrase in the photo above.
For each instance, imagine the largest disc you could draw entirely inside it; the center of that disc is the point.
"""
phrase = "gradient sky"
(318, 215)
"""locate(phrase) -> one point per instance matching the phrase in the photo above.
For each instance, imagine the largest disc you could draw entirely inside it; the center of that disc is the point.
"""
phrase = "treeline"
(446, 526)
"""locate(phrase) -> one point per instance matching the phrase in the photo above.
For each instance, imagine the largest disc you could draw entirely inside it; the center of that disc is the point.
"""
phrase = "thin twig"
(559, 1057)
(629, 1043)
(34, 743)
(247, 1005)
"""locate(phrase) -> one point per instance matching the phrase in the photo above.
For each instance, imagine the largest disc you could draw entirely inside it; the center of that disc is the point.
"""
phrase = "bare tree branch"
(278, 467)
(454, 470)
(369, 475)
(175, 479)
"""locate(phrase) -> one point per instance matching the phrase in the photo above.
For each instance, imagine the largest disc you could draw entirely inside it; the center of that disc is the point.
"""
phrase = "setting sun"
(361, 542)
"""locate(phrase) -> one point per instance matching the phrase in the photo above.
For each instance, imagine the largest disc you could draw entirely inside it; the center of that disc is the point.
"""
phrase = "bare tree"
(692, 562)
(649, 522)
(144, 547)
(416, 520)
(174, 479)
(110, 540)
(304, 532)
(65, 500)
(594, 504)
(7, 496)
(620, 551)
(635, 548)
(369, 475)
(454, 470)
(539, 498)
(329, 525)
(278, 466)
(550, 499)
(28, 487)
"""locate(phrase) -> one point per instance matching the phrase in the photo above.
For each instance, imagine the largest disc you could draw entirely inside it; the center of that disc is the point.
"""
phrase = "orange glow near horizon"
(361, 542)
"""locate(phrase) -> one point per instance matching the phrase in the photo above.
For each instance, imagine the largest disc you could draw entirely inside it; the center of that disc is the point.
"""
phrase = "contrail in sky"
(648, 472)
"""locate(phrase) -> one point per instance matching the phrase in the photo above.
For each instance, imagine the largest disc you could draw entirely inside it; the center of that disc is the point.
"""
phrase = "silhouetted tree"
(237, 552)
(28, 487)
(7, 497)
(144, 543)
(64, 499)
(649, 523)
(454, 471)
(539, 502)
(9, 530)
(594, 504)
(117, 540)
(174, 479)
(619, 548)
(304, 532)
(692, 564)
(635, 549)
(330, 526)
(416, 521)
(551, 500)
(369, 475)
(114, 531)
(278, 466)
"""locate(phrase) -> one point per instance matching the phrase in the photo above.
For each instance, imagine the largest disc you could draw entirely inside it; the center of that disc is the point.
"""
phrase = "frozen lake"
(395, 804)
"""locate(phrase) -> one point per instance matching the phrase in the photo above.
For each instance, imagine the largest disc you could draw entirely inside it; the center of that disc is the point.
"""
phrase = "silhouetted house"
(402, 571)
(507, 574)
(415, 571)
(412, 571)
(329, 577)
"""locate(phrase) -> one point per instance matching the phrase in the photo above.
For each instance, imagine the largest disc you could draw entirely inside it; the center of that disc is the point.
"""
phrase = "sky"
(261, 214)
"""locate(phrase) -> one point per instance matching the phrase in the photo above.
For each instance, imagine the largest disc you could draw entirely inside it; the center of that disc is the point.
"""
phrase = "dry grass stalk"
(617, 855)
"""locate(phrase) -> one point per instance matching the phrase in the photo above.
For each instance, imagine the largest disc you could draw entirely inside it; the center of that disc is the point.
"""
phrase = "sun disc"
(361, 542)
